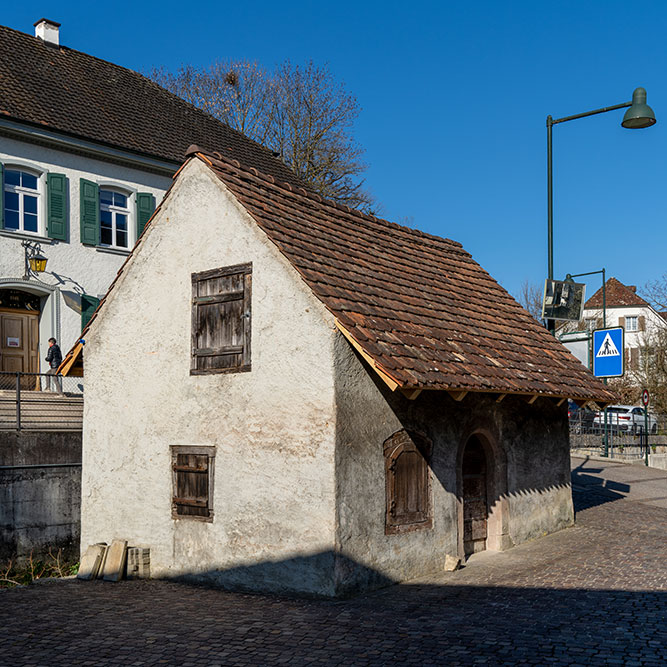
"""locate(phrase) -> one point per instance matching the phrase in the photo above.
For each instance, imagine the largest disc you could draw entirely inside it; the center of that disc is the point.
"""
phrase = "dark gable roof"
(419, 307)
(617, 295)
(71, 92)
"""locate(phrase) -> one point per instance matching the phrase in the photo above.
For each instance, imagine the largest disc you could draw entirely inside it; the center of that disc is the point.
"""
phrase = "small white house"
(87, 148)
(284, 394)
(624, 308)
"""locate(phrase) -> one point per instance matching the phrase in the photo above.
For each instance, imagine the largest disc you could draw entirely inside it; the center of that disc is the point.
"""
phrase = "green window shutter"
(145, 208)
(90, 212)
(88, 306)
(56, 197)
(2, 197)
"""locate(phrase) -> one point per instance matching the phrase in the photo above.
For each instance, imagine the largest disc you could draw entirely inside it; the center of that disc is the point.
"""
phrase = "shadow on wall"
(325, 574)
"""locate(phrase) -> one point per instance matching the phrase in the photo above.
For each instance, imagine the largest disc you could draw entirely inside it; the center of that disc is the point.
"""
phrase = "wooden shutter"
(634, 358)
(88, 307)
(641, 323)
(621, 322)
(89, 212)
(2, 196)
(145, 209)
(192, 479)
(221, 305)
(407, 483)
(56, 205)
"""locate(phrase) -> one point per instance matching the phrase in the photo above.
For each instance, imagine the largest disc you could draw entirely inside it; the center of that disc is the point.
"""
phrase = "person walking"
(55, 358)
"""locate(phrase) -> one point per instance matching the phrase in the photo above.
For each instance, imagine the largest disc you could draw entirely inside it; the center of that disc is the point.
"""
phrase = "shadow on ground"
(152, 621)
(590, 490)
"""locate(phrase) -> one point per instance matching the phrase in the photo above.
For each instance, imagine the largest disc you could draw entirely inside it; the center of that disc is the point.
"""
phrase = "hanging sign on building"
(608, 357)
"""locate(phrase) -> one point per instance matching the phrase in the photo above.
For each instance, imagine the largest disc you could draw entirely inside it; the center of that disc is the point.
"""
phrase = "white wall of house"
(72, 267)
(273, 428)
(639, 322)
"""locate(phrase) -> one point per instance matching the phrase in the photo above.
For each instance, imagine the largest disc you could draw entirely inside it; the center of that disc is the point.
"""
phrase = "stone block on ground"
(114, 565)
(452, 563)
(138, 563)
(92, 561)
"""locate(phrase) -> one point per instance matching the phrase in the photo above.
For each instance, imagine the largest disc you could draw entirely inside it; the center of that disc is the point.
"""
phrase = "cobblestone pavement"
(594, 594)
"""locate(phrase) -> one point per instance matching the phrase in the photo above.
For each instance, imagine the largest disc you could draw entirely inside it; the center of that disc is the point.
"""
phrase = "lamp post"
(638, 115)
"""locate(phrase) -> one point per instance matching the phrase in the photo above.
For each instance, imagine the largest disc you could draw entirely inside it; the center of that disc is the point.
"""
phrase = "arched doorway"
(19, 331)
(474, 470)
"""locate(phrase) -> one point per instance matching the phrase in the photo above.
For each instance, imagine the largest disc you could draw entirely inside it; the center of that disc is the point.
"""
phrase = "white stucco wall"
(273, 427)
(72, 267)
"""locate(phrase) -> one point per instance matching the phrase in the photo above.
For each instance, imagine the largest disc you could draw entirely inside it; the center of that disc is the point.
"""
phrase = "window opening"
(114, 219)
(407, 483)
(21, 201)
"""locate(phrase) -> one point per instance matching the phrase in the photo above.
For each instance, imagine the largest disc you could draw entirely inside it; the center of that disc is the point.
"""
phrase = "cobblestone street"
(593, 594)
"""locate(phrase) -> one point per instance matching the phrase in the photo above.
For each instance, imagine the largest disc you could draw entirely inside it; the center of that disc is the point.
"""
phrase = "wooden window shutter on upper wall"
(89, 212)
(145, 209)
(641, 321)
(221, 320)
(621, 322)
(56, 198)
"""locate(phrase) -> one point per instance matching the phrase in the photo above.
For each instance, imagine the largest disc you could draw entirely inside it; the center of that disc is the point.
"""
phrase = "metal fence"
(588, 435)
(40, 402)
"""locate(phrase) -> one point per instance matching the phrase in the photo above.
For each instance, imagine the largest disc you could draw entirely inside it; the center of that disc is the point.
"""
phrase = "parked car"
(625, 419)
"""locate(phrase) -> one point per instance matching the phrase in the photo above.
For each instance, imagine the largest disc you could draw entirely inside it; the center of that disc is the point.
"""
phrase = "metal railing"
(40, 402)
(587, 434)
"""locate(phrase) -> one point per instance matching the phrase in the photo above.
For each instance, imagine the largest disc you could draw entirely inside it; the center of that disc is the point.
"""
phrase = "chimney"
(632, 288)
(48, 31)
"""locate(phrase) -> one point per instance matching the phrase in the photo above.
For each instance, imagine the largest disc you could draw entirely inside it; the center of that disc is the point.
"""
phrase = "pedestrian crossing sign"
(608, 352)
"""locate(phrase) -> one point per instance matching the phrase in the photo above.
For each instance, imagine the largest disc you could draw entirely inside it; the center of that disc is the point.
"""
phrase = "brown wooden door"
(19, 341)
(475, 512)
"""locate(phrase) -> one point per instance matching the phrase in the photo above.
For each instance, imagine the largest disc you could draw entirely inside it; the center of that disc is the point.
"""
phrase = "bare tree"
(530, 297)
(299, 112)
(655, 292)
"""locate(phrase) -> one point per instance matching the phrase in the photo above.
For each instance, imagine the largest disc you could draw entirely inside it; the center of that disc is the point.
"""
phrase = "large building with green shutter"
(87, 149)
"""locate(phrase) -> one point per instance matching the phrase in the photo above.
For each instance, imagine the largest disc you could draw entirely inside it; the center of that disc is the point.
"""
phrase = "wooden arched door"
(475, 505)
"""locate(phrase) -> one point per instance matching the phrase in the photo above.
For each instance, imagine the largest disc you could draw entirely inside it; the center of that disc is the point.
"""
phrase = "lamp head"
(37, 262)
(640, 114)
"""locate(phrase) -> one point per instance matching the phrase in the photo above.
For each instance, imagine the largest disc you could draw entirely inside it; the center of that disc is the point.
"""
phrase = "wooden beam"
(411, 394)
(458, 395)
(389, 381)
(531, 399)
(500, 397)
(562, 400)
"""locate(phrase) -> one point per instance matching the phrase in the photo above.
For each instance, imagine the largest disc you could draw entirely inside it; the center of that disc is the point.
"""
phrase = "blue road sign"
(608, 348)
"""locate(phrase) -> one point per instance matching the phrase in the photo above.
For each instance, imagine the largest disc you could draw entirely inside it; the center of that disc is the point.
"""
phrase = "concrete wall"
(40, 494)
(527, 450)
(72, 267)
(273, 428)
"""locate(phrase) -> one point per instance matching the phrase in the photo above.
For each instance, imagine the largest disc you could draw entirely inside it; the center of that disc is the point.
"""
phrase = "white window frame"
(115, 210)
(22, 191)
(635, 321)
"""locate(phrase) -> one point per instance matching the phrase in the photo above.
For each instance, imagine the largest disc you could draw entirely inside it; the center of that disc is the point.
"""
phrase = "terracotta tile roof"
(618, 294)
(419, 306)
(77, 94)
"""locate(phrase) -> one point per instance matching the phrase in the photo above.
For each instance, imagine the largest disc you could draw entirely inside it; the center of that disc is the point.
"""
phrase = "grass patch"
(32, 569)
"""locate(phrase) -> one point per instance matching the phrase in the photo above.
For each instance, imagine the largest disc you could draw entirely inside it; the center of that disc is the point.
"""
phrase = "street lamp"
(639, 115)
(35, 262)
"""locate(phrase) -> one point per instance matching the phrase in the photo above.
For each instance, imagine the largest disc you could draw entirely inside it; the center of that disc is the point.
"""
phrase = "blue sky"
(454, 99)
